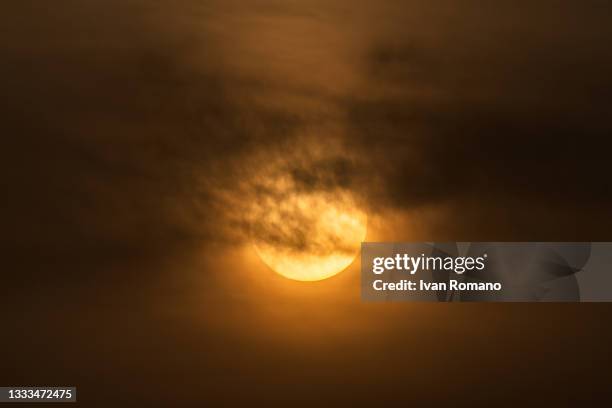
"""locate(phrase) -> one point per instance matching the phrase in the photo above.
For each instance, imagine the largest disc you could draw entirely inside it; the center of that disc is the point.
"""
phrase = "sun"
(309, 236)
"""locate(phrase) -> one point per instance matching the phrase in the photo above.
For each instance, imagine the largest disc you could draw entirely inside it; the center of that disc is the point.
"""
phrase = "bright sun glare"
(309, 236)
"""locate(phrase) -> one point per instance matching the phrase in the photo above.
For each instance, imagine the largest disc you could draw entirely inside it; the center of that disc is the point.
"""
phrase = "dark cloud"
(126, 121)
(110, 127)
(133, 127)
(509, 111)
(136, 134)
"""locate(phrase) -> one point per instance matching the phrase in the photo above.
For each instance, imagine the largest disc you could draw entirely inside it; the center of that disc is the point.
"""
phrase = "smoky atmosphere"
(186, 186)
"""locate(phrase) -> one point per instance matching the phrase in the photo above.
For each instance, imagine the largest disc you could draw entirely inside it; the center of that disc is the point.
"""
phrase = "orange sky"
(137, 134)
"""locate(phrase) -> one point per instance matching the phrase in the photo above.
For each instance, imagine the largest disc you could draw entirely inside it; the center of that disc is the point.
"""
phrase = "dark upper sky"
(135, 133)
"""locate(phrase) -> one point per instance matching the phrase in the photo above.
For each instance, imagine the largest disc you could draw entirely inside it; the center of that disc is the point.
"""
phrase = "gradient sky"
(136, 134)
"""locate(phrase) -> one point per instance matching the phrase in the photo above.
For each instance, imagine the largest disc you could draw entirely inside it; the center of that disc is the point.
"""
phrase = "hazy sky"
(137, 133)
